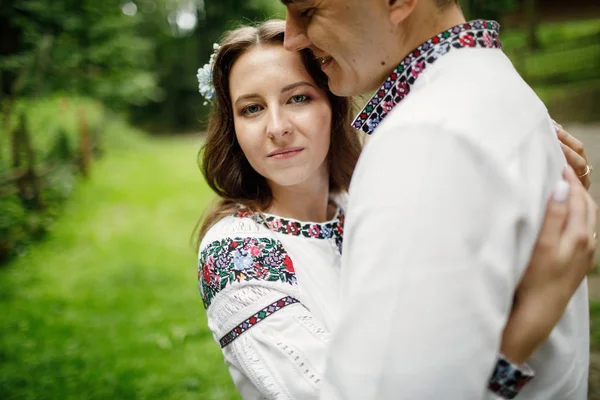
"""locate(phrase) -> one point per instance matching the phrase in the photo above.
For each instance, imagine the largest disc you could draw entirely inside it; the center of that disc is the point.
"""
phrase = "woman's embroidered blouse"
(270, 288)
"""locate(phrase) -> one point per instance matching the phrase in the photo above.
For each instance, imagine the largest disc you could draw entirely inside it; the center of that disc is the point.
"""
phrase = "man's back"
(444, 210)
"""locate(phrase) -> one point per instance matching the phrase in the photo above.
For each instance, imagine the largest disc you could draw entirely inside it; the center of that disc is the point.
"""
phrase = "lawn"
(107, 307)
(564, 72)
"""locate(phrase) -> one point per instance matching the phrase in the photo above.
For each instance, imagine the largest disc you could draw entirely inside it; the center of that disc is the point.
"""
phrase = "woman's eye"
(251, 109)
(299, 98)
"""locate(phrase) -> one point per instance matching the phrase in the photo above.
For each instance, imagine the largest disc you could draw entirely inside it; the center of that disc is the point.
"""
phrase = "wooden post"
(532, 21)
(23, 155)
(85, 144)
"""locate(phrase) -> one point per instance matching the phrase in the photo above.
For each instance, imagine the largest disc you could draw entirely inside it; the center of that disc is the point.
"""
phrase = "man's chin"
(342, 87)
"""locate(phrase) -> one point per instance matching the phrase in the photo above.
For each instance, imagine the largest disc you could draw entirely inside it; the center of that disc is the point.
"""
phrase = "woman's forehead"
(267, 65)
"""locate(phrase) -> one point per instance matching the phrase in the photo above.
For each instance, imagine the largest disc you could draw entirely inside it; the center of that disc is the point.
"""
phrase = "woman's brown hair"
(221, 159)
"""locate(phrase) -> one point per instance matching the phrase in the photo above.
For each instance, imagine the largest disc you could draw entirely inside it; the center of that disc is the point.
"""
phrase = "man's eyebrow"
(290, 2)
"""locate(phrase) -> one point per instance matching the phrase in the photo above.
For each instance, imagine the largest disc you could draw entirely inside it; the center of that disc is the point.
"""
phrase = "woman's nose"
(279, 124)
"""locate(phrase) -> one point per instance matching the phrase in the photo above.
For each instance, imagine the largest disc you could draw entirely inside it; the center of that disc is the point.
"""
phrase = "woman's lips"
(288, 152)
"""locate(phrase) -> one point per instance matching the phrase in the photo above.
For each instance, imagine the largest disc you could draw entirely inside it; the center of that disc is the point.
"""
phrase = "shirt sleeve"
(273, 346)
(432, 255)
(281, 357)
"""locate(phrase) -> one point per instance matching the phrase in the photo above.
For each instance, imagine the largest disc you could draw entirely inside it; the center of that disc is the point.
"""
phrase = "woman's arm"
(281, 356)
(273, 345)
(562, 257)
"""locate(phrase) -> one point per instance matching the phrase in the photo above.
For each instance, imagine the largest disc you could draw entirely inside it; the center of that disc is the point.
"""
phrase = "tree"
(487, 9)
(532, 21)
(77, 46)
(179, 54)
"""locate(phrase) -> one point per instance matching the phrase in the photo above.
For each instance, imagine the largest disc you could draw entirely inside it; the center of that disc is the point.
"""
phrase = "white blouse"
(284, 274)
(270, 286)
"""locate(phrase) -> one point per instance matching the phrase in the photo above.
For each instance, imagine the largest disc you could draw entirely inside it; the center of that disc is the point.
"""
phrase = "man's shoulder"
(476, 96)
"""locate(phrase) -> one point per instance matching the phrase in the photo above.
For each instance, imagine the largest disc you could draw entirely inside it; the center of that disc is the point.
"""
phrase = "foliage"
(47, 130)
(179, 55)
(564, 71)
(108, 306)
(487, 9)
(78, 46)
(56, 145)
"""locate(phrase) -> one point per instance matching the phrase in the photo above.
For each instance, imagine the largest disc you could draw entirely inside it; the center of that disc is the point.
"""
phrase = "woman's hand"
(562, 257)
(575, 154)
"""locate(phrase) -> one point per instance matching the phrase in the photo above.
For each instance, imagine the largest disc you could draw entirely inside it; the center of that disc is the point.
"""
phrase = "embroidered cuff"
(508, 379)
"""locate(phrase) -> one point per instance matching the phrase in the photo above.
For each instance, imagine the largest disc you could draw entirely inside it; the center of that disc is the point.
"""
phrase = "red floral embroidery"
(314, 231)
(488, 40)
(477, 33)
(467, 40)
(418, 68)
(402, 89)
(329, 230)
(207, 274)
(289, 266)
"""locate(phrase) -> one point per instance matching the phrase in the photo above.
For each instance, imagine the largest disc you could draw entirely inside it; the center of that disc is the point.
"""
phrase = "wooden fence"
(28, 176)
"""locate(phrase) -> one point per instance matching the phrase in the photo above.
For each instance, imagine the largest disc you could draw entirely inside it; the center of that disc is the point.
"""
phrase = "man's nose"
(296, 37)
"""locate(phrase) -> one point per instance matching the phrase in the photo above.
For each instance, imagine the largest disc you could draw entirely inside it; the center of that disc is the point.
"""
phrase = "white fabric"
(445, 207)
(283, 356)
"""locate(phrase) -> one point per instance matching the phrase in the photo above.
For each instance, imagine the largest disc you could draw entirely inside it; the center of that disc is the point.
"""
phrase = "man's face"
(353, 39)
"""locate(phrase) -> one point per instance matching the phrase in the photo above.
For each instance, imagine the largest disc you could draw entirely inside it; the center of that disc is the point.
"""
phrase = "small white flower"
(205, 82)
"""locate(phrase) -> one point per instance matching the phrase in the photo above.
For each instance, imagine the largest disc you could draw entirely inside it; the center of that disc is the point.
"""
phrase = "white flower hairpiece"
(205, 81)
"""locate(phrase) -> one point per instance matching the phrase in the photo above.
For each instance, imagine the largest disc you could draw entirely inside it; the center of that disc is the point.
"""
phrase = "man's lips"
(289, 151)
(324, 60)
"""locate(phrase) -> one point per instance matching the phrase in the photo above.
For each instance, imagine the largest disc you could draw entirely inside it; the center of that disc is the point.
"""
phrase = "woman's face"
(282, 119)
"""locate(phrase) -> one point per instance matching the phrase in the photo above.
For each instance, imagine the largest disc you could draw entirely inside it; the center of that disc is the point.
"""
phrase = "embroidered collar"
(397, 86)
(325, 230)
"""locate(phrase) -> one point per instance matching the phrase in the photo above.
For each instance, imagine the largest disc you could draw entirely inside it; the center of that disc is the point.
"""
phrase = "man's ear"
(399, 10)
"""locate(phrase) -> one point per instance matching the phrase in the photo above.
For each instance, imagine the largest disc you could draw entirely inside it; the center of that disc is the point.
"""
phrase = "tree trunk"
(532, 21)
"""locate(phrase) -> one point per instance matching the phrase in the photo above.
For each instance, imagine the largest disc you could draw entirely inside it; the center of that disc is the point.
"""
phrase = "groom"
(445, 205)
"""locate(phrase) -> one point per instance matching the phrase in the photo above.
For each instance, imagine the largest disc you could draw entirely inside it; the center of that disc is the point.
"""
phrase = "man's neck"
(423, 24)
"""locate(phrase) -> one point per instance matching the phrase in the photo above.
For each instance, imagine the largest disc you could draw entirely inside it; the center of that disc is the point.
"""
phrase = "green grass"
(553, 34)
(564, 72)
(595, 324)
(107, 306)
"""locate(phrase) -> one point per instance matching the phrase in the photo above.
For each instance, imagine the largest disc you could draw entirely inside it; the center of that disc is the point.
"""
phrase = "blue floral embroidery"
(230, 260)
(507, 380)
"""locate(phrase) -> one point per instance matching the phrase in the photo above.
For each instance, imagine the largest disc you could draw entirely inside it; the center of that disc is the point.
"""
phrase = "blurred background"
(100, 124)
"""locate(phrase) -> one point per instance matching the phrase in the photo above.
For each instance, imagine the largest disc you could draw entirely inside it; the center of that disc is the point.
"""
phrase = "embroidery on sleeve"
(231, 260)
(507, 379)
(255, 319)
